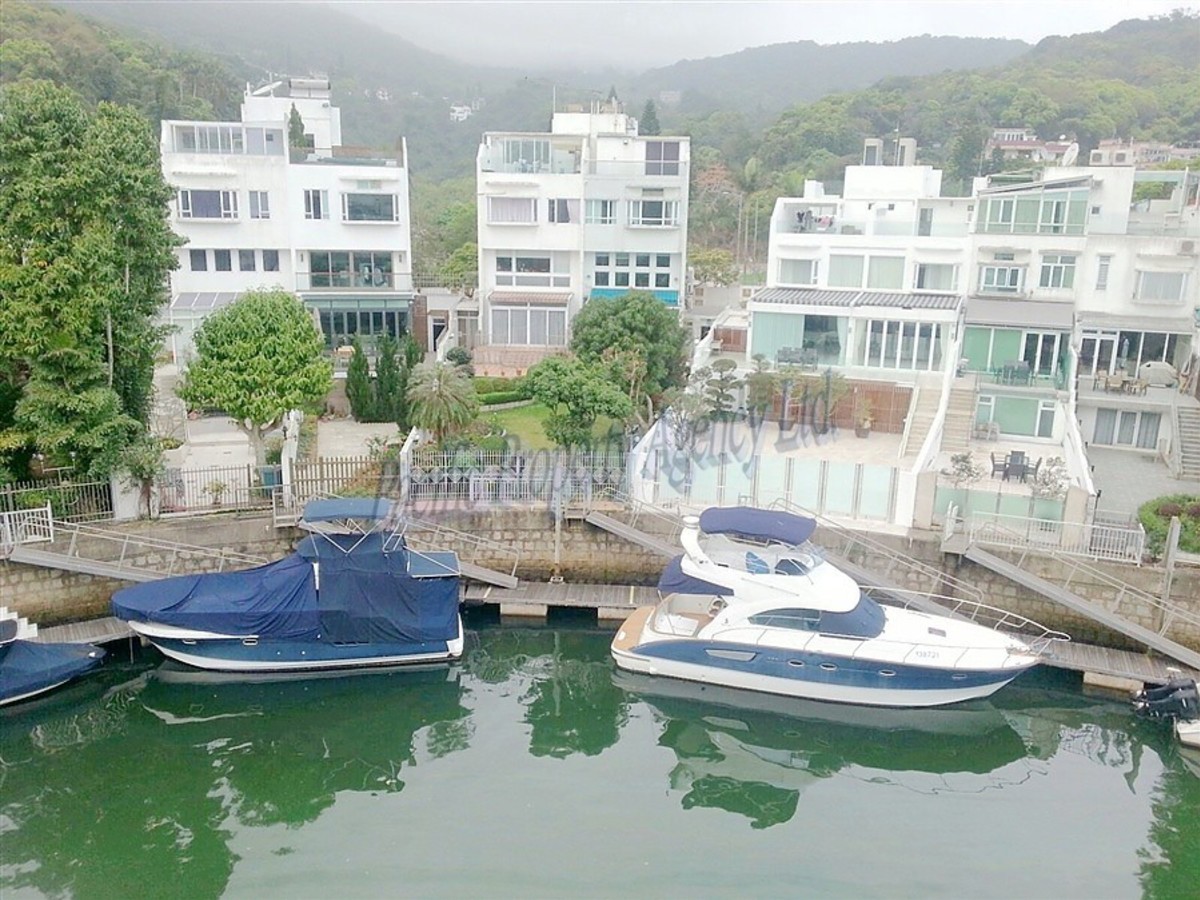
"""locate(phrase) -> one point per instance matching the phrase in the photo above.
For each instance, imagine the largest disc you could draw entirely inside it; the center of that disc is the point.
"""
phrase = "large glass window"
(562, 210)
(936, 277)
(350, 268)
(1058, 270)
(886, 273)
(204, 204)
(245, 260)
(601, 212)
(370, 208)
(1001, 279)
(662, 157)
(611, 270)
(533, 269)
(529, 325)
(198, 260)
(512, 210)
(798, 271)
(1160, 287)
(526, 155)
(223, 260)
(1035, 212)
(260, 205)
(845, 271)
(654, 213)
(228, 139)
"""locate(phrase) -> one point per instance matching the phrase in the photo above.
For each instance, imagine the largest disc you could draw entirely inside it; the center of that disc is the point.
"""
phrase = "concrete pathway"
(346, 437)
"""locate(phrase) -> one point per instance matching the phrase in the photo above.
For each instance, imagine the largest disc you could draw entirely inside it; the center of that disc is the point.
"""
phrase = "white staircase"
(1189, 442)
(923, 413)
(960, 417)
(26, 630)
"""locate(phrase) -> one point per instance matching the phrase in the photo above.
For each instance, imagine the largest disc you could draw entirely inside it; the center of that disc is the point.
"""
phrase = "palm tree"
(441, 399)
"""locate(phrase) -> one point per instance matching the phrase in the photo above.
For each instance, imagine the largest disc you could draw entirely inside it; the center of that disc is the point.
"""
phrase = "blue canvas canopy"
(372, 508)
(27, 667)
(674, 580)
(757, 524)
(356, 593)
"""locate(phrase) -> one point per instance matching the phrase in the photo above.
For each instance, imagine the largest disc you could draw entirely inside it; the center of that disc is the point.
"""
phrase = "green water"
(531, 770)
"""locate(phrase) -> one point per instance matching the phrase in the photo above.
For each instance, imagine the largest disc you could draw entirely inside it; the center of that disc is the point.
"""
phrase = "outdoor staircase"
(26, 630)
(923, 413)
(425, 536)
(960, 418)
(1189, 442)
(653, 543)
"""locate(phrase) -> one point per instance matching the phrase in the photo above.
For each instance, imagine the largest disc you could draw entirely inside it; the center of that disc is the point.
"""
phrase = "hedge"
(497, 397)
(1155, 516)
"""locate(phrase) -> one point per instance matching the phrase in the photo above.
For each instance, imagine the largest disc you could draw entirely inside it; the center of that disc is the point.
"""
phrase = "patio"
(1125, 480)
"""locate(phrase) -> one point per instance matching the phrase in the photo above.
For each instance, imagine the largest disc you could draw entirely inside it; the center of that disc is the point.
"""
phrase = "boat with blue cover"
(752, 603)
(353, 594)
(29, 667)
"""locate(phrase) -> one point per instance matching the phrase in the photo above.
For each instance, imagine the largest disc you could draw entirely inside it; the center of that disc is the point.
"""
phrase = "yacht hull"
(809, 676)
(234, 653)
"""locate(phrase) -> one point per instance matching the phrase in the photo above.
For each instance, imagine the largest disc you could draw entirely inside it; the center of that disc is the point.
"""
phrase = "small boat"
(352, 595)
(753, 604)
(29, 667)
(1178, 701)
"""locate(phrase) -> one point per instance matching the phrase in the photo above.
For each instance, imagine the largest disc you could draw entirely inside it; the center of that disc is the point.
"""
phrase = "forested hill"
(765, 80)
(98, 63)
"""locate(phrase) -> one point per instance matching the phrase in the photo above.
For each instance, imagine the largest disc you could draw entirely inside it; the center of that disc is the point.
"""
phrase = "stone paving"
(1127, 480)
(346, 437)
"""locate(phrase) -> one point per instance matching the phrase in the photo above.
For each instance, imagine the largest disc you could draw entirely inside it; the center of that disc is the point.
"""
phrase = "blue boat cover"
(757, 524)
(674, 580)
(372, 508)
(27, 666)
(364, 596)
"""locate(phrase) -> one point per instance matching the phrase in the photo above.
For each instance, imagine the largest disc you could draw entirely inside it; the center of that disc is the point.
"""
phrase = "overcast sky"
(640, 34)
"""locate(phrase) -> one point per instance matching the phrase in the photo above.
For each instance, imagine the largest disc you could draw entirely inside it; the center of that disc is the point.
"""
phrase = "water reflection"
(153, 775)
(754, 755)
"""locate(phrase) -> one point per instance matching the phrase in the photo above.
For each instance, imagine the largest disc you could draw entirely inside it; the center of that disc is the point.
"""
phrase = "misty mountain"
(762, 81)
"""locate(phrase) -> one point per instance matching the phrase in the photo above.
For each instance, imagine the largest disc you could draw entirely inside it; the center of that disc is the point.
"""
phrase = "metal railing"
(26, 526)
(216, 488)
(423, 536)
(76, 501)
(1096, 540)
(121, 549)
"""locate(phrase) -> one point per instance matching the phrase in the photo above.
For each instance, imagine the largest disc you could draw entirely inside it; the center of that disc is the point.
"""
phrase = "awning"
(203, 300)
(1167, 324)
(818, 297)
(347, 508)
(757, 524)
(529, 298)
(1020, 313)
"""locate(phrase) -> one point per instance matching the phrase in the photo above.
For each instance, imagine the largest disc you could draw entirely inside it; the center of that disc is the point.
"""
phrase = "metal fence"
(478, 477)
(1096, 540)
(71, 501)
(216, 488)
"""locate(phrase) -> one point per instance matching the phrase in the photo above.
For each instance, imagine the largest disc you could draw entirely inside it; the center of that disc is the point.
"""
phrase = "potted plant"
(864, 412)
(216, 490)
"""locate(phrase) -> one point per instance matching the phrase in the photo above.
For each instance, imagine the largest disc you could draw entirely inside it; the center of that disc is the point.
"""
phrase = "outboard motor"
(1177, 699)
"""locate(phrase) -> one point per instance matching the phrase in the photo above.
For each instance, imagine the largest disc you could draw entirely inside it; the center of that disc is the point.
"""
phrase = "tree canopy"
(577, 394)
(85, 248)
(256, 360)
(637, 321)
(441, 399)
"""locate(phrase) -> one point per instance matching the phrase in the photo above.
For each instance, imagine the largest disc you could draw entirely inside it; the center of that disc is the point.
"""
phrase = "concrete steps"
(922, 420)
(960, 420)
(1189, 443)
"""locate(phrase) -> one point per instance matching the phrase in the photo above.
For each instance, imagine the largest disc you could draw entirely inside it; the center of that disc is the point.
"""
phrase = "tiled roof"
(532, 298)
(820, 297)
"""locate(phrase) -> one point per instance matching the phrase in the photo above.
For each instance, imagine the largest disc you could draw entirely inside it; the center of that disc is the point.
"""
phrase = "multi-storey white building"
(587, 211)
(1044, 315)
(326, 221)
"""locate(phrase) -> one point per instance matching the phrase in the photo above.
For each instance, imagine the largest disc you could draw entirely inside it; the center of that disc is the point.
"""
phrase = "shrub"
(1194, 510)
(485, 384)
(497, 397)
(1155, 516)
(1167, 510)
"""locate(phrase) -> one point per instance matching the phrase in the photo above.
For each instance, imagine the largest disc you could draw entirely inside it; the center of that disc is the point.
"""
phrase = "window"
(542, 270)
(228, 139)
(316, 204)
(245, 260)
(526, 155)
(199, 260)
(512, 211)
(1035, 212)
(1058, 271)
(652, 270)
(1102, 273)
(845, 271)
(195, 204)
(350, 268)
(1160, 287)
(223, 260)
(1045, 418)
(798, 271)
(662, 261)
(270, 260)
(886, 273)
(799, 619)
(529, 325)
(562, 211)
(654, 213)
(260, 207)
(1128, 427)
(600, 212)
(999, 213)
(370, 208)
(641, 279)
(642, 260)
(936, 277)
(662, 157)
(1001, 279)
(662, 279)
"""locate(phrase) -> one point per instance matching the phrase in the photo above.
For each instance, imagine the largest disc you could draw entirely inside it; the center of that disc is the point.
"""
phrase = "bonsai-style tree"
(761, 385)
(257, 359)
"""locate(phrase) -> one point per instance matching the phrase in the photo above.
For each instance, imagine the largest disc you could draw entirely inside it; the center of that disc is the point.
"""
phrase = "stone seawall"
(584, 554)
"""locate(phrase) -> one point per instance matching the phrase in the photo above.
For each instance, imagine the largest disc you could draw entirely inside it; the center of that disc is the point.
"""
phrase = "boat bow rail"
(1036, 636)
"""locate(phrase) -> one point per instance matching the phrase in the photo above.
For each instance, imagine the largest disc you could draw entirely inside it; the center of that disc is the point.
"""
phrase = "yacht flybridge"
(752, 603)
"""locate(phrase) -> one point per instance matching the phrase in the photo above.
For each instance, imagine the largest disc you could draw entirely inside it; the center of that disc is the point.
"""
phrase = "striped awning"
(820, 297)
(529, 298)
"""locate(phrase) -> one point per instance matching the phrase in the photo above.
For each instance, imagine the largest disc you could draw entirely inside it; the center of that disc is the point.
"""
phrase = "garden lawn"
(523, 426)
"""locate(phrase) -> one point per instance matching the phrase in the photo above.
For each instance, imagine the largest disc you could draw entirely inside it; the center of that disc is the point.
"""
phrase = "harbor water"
(534, 769)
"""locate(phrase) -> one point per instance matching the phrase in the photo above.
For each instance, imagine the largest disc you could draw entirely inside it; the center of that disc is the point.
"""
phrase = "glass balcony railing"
(367, 281)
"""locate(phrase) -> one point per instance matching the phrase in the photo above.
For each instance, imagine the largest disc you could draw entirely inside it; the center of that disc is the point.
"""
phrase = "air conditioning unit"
(1187, 248)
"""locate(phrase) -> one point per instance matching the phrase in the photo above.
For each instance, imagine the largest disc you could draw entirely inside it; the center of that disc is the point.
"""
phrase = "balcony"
(354, 281)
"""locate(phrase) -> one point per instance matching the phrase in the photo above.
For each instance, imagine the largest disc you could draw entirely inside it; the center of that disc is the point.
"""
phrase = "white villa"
(587, 211)
(325, 221)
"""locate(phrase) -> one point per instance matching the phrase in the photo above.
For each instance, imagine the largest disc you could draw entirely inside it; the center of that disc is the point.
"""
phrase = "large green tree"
(85, 248)
(441, 399)
(635, 320)
(256, 359)
(577, 394)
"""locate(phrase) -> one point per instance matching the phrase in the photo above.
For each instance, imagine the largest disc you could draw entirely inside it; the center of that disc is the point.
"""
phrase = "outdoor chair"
(998, 465)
